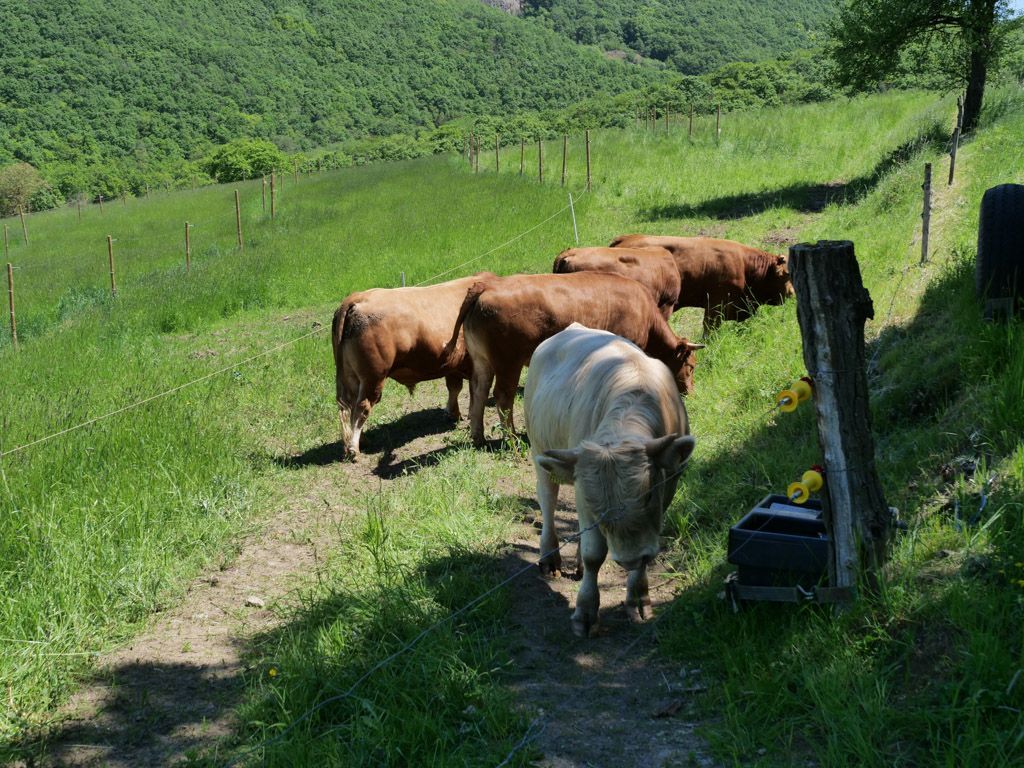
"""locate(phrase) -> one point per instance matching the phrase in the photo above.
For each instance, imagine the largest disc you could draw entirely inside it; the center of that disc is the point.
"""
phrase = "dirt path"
(172, 692)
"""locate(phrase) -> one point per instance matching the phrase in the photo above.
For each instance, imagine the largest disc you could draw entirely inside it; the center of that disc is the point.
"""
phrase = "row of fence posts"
(473, 155)
(111, 240)
(649, 118)
(926, 213)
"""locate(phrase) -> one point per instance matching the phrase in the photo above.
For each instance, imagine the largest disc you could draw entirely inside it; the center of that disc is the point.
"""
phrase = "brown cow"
(652, 267)
(505, 318)
(398, 333)
(724, 278)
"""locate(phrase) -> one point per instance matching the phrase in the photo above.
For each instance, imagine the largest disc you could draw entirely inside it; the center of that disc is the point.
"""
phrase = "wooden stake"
(954, 145)
(832, 307)
(273, 197)
(718, 123)
(101, 202)
(668, 112)
(565, 151)
(188, 248)
(7, 244)
(110, 258)
(926, 214)
(295, 170)
(540, 160)
(264, 189)
(497, 153)
(238, 221)
(587, 134)
(24, 227)
(691, 121)
(522, 155)
(10, 303)
(79, 201)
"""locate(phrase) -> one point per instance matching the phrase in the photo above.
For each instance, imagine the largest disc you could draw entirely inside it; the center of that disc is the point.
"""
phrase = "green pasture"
(103, 525)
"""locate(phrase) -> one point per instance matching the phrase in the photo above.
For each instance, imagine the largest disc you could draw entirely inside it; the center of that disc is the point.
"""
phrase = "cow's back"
(653, 267)
(576, 376)
(518, 312)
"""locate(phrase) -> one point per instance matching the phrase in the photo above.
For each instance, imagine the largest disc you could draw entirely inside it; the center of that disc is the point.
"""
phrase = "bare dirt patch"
(172, 692)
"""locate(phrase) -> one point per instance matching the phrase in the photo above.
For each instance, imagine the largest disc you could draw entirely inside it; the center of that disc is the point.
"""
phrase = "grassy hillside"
(92, 85)
(104, 524)
(691, 37)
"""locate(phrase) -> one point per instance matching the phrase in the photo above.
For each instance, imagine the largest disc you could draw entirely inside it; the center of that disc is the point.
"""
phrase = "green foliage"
(691, 37)
(243, 159)
(21, 185)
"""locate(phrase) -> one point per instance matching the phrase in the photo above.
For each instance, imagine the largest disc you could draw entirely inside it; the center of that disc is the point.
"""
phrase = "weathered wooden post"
(497, 153)
(954, 145)
(10, 303)
(7, 243)
(587, 134)
(926, 213)
(110, 258)
(691, 120)
(522, 155)
(668, 112)
(540, 160)
(264, 191)
(24, 227)
(79, 201)
(832, 307)
(238, 221)
(188, 248)
(718, 123)
(565, 151)
(295, 170)
(273, 196)
(101, 202)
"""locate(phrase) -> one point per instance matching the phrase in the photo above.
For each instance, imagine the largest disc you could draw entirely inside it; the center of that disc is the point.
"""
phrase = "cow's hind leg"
(594, 549)
(547, 496)
(479, 387)
(638, 600)
(505, 396)
(454, 384)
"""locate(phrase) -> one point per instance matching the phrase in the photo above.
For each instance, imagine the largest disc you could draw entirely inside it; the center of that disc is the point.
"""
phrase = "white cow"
(602, 415)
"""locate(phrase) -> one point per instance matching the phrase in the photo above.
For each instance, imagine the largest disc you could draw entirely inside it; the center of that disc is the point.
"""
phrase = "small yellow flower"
(272, 672)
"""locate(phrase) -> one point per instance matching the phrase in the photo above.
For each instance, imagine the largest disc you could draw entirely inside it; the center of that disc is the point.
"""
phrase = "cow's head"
(624, 488)
(779, 287)
(686, 362)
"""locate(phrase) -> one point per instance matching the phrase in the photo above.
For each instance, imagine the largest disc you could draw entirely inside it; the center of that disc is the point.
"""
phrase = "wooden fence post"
(587, 134)
(522, 154)
(954, 145)
(540, 160)
(264, 191)
(7, 244)
(79, 201)
(101, 202)
(565, 151)
(273, 196)
(668, 112)
(10, 303)
(691, 120)
(295, 170)
(832, 307)
(718, 123)
(24, 227)
(497, 153)
(238, 221)
(188, 248)
(110, 258)
(926, 213)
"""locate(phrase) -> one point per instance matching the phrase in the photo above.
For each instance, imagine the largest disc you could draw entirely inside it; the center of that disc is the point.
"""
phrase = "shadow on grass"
(804, 198)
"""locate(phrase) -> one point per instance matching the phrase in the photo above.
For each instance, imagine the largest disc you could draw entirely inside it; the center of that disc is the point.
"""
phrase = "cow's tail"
(337, 334)
(451, 349)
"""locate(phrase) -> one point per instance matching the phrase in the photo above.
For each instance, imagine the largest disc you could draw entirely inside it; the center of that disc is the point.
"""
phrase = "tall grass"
(104, 524)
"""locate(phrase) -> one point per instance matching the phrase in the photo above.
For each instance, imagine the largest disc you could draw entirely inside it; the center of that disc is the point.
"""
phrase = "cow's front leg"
(547, 497)
(454, 384)
(369, 396)
(638, 600)
(593, 550)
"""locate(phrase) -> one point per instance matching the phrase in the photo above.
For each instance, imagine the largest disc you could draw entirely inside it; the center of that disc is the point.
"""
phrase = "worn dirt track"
(171, 693)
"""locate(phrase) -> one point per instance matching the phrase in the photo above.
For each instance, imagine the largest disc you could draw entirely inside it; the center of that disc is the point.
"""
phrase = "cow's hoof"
(585, 628)
(551, 566)
(638, 614)
(456, 416)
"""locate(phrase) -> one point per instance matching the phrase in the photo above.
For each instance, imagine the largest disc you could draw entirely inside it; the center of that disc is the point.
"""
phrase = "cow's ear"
(561, 464)
(671, 451)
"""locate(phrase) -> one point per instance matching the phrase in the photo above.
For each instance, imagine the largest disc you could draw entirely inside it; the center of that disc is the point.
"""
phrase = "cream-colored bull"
(602, 415)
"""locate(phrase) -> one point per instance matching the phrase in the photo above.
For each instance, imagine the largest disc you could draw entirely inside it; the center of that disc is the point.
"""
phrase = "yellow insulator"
(802, 389)
(798, 492)
(813, 480)
(787, 400)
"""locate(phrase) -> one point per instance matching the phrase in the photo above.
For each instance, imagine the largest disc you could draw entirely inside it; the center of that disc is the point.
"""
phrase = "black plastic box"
(780, 544)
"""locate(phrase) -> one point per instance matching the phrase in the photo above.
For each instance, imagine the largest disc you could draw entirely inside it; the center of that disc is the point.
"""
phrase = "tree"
(18, 184)
(244, 159)
(870, 40)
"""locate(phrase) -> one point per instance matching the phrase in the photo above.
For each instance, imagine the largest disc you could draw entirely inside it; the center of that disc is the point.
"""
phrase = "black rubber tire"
(999, 271)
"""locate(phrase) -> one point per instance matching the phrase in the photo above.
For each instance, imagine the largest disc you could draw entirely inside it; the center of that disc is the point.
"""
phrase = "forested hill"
(691, 36)
(87, 82)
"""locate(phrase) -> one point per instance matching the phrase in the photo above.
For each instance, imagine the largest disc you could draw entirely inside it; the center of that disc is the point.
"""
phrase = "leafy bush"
(244, 159)
(19, 183)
